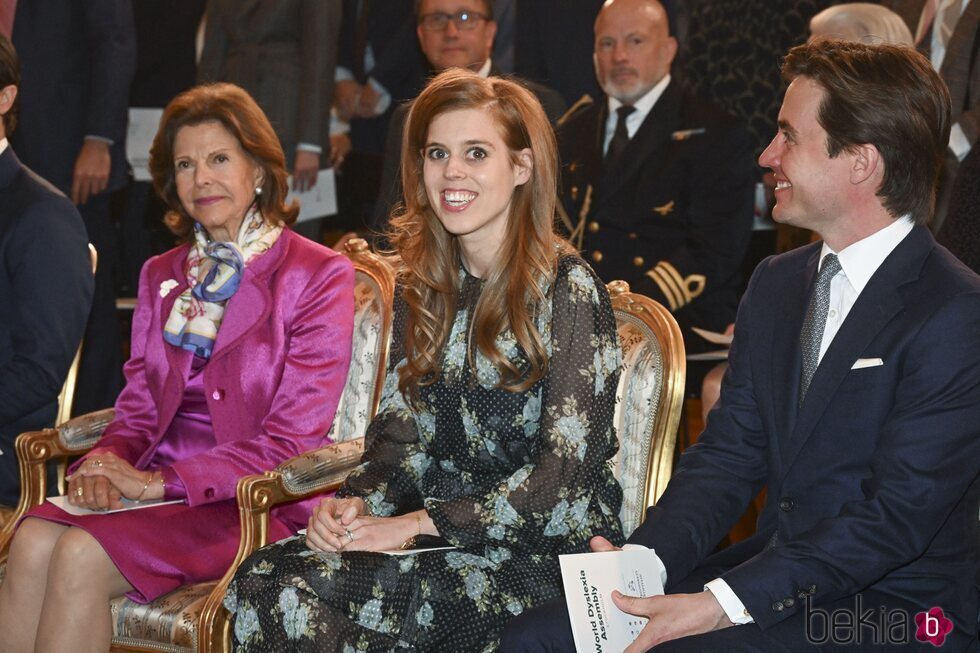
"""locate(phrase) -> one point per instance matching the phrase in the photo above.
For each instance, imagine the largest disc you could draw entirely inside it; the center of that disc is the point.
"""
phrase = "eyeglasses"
(461, 20)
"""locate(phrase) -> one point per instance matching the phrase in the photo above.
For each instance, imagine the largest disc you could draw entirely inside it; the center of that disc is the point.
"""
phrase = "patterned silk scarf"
(214, 271)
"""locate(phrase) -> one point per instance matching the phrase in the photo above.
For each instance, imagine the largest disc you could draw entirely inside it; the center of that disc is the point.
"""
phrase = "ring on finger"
(96, 462)
(79, 492)
(350, 536)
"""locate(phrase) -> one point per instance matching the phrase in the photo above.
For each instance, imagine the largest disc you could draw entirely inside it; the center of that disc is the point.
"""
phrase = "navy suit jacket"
(46, 286)
(872, 483)
(77, 60)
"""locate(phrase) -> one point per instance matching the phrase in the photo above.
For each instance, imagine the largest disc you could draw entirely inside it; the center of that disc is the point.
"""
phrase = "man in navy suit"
(45, 289)
(853, 393)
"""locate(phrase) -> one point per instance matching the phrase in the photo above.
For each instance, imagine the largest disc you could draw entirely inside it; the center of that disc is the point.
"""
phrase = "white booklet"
(128, 504)
(319, 201)
(589, 580)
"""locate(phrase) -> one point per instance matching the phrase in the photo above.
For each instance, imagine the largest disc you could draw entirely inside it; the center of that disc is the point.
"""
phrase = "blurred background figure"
(380, 66)
(451, 34)
(45, 288)
(166, 65)
(284, 53)
(77, 61)
(863, 22)
(657, 184)
(947, 32)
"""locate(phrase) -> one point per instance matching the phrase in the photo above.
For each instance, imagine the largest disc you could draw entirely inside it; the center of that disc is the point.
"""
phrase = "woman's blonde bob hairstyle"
(430, 256)
(235, 110)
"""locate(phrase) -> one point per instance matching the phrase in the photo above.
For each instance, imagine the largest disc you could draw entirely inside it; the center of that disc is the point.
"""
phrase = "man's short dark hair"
(9, 76)
(887, 96)
(487, 4)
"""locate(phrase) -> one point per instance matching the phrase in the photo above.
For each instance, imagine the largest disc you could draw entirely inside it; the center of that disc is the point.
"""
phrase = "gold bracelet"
(410, 542)
(149, 479)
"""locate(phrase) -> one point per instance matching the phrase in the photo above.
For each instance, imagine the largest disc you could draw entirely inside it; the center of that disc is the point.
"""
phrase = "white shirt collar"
(644, 104)
(861, 260)
(484, 71)
(3, 145)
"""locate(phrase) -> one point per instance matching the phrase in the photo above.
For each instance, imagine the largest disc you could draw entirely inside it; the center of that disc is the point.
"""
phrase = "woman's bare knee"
(31, 549)
(79, 563)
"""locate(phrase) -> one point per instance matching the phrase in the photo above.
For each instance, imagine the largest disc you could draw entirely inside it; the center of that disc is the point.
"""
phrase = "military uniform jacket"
(673, 215)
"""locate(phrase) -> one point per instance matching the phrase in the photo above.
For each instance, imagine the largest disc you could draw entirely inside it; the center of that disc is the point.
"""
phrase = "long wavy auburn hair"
(430, 256)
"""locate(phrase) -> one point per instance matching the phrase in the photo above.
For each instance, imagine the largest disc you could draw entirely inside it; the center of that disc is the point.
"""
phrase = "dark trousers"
(100, 371)
(547, 629)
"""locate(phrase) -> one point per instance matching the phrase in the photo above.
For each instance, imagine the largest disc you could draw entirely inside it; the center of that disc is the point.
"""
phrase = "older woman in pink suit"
(240, 348)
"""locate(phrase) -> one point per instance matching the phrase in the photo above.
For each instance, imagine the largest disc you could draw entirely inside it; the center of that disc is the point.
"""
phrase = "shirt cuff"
(173, 487)
(103, 139)
(958, 142)
(734, 608)
(384, 97)
(309, 147)
(663, 568)
(342, 74)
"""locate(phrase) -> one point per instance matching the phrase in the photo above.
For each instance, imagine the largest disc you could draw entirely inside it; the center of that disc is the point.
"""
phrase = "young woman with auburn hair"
(496, 424)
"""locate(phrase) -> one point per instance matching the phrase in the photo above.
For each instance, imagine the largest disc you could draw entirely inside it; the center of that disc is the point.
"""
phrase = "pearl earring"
(258, 190)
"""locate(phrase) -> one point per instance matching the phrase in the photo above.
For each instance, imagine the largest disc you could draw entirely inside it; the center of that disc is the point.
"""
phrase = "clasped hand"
(103, 479)
(344, 525)
(670, 616)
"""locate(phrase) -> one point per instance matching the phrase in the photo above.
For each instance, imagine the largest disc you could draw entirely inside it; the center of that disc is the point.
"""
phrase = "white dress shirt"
(3, 145)
(635, 119)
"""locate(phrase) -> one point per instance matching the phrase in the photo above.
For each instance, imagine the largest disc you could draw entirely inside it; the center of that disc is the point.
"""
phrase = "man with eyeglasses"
(452, 34)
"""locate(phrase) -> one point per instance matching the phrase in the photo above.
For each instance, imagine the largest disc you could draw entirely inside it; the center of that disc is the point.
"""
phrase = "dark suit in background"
(284, 53)
(960, 70)
(77, 61)
(46, 290)
(673, 215)
(391, 180)
(165, 66)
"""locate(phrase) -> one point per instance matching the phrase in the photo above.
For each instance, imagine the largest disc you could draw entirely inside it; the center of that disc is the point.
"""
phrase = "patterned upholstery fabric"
(81, 433)
(311, 471)
(637, 401)
(355, 406)
(173, 619)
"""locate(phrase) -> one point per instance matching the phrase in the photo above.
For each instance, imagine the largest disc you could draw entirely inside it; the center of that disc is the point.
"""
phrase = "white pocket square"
(861, 363)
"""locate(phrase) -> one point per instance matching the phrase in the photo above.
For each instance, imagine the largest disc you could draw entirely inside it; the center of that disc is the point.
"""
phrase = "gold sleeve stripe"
(686, 289)
(665, 287)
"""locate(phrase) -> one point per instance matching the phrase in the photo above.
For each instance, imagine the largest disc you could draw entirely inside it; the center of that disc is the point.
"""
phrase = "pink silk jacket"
(274, 379)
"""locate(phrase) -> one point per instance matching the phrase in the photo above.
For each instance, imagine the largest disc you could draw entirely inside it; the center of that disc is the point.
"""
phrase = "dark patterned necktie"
(816, 319)
(621, 137)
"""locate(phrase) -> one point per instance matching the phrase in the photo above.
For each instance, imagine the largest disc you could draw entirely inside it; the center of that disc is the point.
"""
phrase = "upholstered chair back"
(649, 399)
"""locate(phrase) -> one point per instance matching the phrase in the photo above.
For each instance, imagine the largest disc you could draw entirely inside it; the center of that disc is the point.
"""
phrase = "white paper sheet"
(128, 504)
(319, 201)
(713, 337)
(143, 125)
(589, 580)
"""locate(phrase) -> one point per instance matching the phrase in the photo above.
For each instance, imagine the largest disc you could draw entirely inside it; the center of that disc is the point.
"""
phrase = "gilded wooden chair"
(191, 618)
(649, 399)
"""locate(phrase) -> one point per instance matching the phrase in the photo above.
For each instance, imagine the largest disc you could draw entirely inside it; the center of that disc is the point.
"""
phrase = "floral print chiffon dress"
(511, 480)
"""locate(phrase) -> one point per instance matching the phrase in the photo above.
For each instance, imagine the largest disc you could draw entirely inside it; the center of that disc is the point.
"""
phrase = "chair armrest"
(35, 448)
(299, 477)
(78, 435)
